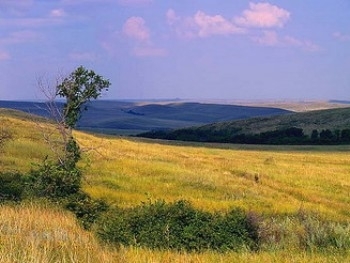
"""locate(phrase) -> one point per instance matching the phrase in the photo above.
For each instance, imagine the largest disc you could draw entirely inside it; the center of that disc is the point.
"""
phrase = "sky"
(186, 49)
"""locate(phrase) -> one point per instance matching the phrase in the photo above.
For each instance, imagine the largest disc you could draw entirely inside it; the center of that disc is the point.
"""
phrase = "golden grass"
(39, 233)
(266, 180)
(270, 180)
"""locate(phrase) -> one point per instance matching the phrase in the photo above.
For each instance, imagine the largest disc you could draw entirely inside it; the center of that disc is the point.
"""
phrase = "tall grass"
(267, 180)
(34, 233)
(276, 182)
(42, 233)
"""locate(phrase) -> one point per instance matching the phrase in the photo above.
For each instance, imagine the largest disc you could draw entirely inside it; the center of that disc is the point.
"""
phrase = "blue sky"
(188, 49)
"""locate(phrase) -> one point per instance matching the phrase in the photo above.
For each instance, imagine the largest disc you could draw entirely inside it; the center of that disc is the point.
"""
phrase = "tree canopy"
(79, 87)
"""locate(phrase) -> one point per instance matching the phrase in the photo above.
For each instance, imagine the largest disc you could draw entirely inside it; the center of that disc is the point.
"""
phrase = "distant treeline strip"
(292, 135)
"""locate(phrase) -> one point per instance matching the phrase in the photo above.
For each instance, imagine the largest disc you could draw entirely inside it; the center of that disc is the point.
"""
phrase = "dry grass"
(34, 233)
(267, 180)
(270, 180)
(40, 233)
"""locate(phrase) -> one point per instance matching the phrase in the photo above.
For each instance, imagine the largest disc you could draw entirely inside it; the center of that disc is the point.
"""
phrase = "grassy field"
(270, 180)
(277, 182)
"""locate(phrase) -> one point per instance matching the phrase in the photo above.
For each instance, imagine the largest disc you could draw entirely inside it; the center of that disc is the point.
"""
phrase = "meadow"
(280, 183)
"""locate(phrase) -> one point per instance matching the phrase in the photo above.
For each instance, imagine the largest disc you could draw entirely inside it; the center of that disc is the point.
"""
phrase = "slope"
(292, 182)
(331, 119)
(125, 117)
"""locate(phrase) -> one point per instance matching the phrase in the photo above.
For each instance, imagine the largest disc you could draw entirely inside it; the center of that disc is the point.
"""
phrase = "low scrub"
(177, 226)
(53, 181)
(11, 186)
(86, 209)
(304, 231)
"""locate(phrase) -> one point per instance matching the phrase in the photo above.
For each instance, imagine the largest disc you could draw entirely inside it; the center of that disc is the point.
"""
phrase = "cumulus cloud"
(263, 15)
(135, 28)
(214, 25)
(259, 22)
(201, 25)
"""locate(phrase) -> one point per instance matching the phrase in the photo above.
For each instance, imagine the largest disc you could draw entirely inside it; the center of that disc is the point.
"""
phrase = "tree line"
(291, 135)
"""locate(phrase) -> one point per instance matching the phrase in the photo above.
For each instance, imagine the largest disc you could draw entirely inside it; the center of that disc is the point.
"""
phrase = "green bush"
(86, 209)
(11, 186)
(177, 226)
(53, 181)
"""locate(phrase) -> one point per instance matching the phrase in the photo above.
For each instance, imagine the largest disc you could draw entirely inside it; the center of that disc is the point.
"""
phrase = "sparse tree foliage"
(80, 87)
(56, 180)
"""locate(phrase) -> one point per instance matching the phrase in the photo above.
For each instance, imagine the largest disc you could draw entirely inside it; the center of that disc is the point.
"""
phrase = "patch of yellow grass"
(268, 180)
(38, 233)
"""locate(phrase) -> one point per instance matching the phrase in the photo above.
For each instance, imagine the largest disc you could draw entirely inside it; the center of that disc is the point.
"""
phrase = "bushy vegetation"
(177, 226)
(11, 186)
(53, 181)
(292, 136)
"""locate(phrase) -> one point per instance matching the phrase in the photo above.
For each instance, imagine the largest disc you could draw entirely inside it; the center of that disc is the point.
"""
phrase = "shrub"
(53, 181)
(11, 186)
(177, 226)
(86, 209)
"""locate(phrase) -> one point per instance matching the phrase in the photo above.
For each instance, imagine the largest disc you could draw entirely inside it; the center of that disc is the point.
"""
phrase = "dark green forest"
(291, 136)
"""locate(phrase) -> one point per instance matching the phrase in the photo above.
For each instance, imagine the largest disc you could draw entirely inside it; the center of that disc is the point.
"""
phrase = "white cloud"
(271, 38)
(140, 44)
(135, 28)
(171, 16)
(201, 25)
(341, 37)
(57, 13)
(303, 44)
(263, 15)
(214, 25)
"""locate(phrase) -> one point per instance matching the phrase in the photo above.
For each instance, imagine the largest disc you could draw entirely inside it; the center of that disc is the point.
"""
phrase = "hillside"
(123, 117)
(330, 119)
(297, 190)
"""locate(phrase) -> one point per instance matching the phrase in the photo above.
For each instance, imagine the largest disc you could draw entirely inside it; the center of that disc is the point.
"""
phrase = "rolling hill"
(300, 197)
(125, 117)
(330, 119)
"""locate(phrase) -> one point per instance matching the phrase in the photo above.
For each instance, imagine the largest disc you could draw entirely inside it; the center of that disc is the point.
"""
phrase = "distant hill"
(327, 126)
(130, 118)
